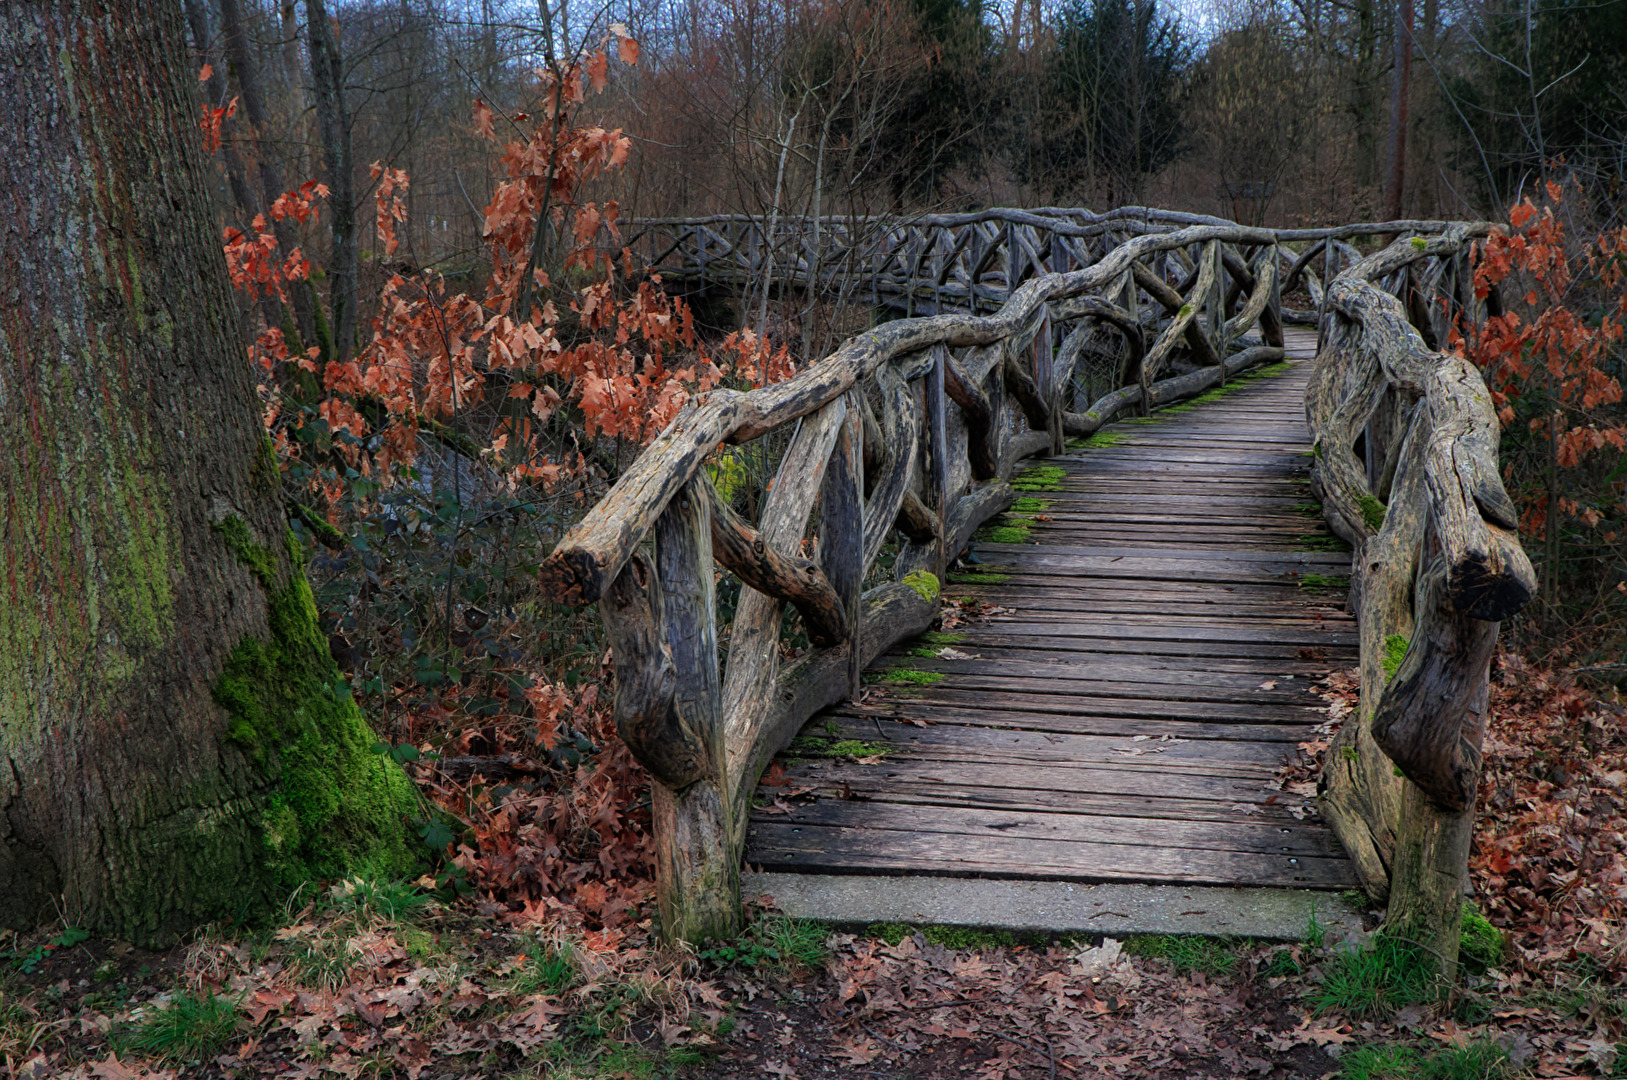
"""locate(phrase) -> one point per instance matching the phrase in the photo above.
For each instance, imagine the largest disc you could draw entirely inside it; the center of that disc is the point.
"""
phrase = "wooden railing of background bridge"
(926, 264)
(963, 399)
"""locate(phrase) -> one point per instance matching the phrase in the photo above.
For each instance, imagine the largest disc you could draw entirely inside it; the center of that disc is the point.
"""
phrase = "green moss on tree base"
(1479, 941)
(336, 806)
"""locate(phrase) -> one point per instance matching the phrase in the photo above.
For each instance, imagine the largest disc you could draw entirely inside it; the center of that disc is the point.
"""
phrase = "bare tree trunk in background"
(173, 746)
(333, 121)
(216, 89)
(246, 68)
(289, 16)
(1395, 182)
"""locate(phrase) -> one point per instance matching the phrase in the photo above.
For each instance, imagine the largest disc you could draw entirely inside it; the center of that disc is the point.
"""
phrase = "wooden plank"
(877, 717)
(860, 788)
(1019, 745)
(911, 699)
(777, 847)
(980, 823)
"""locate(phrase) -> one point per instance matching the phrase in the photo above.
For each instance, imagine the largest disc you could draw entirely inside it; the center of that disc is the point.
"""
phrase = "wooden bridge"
(1166, 603)
(1164, 608)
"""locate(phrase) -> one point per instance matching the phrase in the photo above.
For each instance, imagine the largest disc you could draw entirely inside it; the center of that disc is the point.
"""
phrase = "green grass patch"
(1031, 504)
(1374, 981)
(1212, 956)
(547, 969)
(1483, 1059)
(774, 941)
(193, 1028)
(1311, 510)
(939, 638)
(1039, 478)
(390, 901)
(1324, 581)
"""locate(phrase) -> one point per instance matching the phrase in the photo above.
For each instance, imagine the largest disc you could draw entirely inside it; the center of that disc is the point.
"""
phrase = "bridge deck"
(1124, 720)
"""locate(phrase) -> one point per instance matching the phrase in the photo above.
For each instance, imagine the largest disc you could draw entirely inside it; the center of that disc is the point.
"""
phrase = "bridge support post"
(697, 874)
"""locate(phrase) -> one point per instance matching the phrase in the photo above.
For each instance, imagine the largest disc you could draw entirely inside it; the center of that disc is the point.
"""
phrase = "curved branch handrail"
(1437, 563)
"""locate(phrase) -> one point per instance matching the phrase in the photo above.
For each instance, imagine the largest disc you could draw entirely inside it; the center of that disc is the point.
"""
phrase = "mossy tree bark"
(176, 744)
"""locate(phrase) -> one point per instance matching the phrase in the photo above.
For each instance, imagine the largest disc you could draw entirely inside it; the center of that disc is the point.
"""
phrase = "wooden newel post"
(697, 879)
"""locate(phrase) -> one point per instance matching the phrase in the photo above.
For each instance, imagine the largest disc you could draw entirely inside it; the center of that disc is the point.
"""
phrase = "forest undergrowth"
(415, 979)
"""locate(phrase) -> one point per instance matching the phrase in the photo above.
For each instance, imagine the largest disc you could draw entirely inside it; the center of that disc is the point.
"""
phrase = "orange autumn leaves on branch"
(619, 362)
(1547, 357)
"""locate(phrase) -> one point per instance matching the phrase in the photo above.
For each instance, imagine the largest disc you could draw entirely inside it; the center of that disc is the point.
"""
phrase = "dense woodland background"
(449, 383)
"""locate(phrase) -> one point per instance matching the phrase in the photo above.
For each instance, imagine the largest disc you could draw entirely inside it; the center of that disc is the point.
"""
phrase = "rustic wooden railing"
(927, 264)
(910, 432)
(1406, 467)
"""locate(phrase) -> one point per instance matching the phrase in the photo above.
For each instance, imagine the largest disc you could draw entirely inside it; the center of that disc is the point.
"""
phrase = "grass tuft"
(1483, 1059)
(1211, 956)
(547, 969)
(389, 901)
(193, 1028)
(775, 941)
(1376, 980)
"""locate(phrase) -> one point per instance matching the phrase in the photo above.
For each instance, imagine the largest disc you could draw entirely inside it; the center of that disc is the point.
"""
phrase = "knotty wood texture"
(1114, 726)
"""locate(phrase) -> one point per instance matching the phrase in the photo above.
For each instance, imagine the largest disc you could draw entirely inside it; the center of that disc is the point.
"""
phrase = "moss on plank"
(1324, 581)
(902, 676)
(1002, 534)
(978, 577)
(1039, 478)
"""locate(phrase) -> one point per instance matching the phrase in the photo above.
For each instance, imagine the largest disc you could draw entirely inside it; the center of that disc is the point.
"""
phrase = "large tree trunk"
(175, 743)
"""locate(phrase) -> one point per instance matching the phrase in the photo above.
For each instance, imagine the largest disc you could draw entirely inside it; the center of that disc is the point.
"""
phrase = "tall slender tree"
(175, 742)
